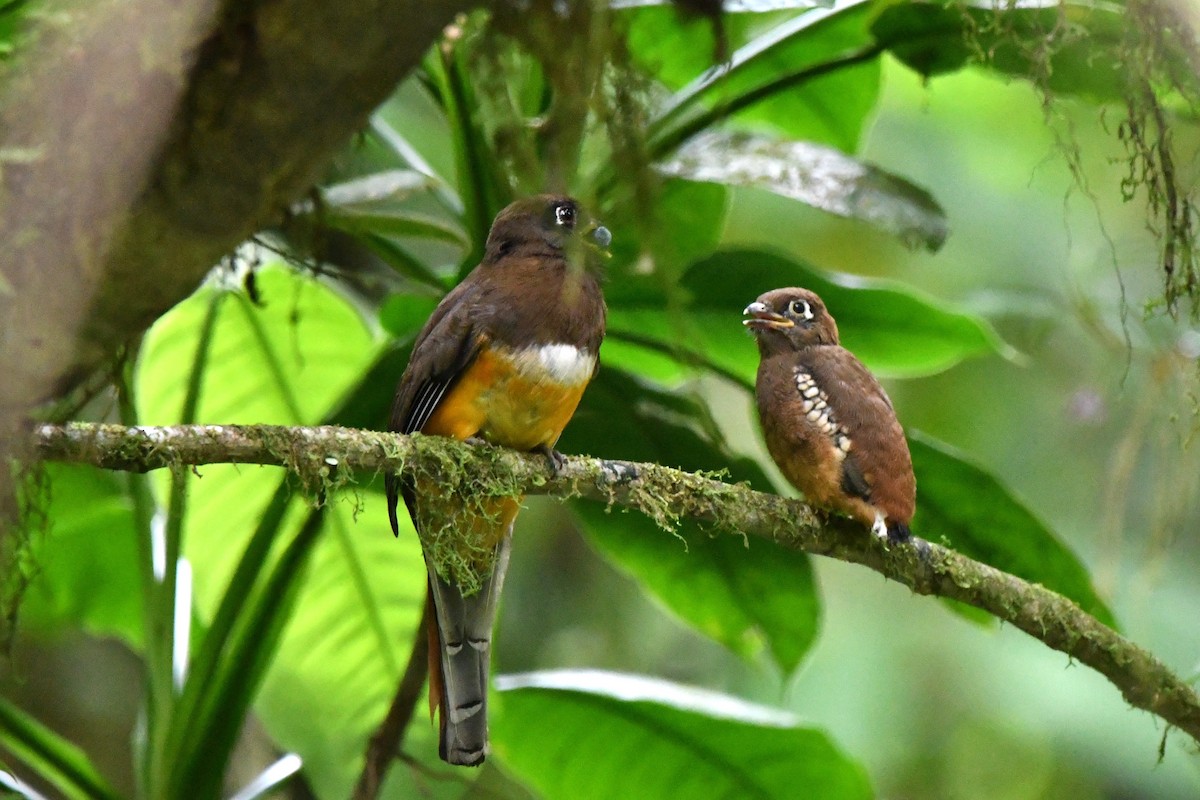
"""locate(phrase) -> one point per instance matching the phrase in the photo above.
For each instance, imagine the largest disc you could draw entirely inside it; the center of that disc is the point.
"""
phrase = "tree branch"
(666, 495)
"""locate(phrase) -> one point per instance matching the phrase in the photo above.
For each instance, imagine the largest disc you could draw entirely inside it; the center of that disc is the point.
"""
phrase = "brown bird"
(504, 358)
(827, 422)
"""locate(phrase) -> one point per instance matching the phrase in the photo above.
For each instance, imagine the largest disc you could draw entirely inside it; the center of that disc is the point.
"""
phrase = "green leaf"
(649, 255)
(591, 734)
(64, 592)
(213, 732)
(294, 361)
(814, 77)
(893, 330)
(342, 654)
(968, 509)
(402, 314)
(376, 203)
(1071, 47)
(819, 176)
(12, 22)
(53, 759)
(287, 362)
(746, 595)
(284, 362)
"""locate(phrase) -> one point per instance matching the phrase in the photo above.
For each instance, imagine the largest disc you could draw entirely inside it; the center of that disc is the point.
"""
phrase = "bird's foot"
(890, 533)
(557, 460)
(898, 533)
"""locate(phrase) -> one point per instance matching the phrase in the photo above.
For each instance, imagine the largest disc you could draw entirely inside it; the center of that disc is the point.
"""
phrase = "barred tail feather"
(460, 661)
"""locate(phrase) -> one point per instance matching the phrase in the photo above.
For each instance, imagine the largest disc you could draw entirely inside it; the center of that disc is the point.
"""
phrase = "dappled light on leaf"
(819, 176)
(590, 734)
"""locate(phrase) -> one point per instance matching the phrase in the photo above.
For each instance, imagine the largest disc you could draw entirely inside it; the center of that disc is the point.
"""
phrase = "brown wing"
(443, 350)
(878, 467)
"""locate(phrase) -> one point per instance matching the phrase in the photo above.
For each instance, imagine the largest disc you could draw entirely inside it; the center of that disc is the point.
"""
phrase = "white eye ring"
(801, 308)
(564, 215)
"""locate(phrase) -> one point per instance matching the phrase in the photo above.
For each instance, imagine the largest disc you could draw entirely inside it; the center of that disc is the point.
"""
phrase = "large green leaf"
(358, 605)
(64, 592)
(351, 631)
(650, 255)
(747, 595)
(793, 77)
(1075, 47)
(590, 734)
(286, 362)
(822, 177)
(970, 510)
(893, 330)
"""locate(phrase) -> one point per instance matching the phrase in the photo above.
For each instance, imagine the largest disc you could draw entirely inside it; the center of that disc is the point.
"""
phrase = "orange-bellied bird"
(827, 422)
(504, 358)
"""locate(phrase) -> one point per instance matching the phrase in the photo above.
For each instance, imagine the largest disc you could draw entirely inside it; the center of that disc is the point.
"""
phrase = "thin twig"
(666, 495)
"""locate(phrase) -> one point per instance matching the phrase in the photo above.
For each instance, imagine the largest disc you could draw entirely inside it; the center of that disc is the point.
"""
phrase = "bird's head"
(791, 318)
(548, 223)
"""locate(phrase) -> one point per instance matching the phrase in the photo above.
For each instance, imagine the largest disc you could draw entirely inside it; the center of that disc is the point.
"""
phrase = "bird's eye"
(801, 308)
(564, 215)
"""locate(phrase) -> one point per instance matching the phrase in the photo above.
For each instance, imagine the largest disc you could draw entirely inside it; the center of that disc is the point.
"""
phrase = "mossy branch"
(665, 494)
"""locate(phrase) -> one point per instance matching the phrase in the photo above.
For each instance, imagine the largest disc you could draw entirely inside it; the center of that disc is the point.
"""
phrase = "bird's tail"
(459, 656)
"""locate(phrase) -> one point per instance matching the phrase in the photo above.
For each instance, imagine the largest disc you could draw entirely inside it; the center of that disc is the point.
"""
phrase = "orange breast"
(509, 400)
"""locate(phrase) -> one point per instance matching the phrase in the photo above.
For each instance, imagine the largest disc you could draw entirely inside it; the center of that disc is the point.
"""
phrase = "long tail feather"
(464, 647)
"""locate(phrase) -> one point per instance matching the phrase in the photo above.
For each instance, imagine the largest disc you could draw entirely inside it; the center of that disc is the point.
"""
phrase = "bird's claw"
(890, 533)
(557, 460)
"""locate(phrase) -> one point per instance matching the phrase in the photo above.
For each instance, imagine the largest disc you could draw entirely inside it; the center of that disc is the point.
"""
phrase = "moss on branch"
(664, 494)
